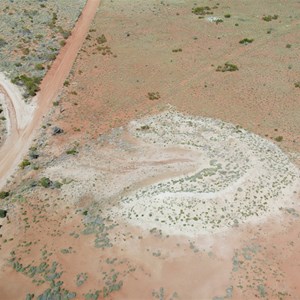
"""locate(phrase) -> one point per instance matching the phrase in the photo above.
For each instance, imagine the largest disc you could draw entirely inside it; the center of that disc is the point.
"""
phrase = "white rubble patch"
(213, 19)
(5, 113)
(239, 177)
(23, 111)
(180, 174)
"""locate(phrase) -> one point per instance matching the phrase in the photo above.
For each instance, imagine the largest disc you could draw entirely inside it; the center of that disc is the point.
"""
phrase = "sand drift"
(182, 174)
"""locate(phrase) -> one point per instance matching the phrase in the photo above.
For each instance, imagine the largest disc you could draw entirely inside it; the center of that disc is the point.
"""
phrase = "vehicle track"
(19, 140)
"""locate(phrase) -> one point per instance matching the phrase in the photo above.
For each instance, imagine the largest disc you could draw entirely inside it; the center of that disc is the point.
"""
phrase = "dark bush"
(4, 194)
(3, 213)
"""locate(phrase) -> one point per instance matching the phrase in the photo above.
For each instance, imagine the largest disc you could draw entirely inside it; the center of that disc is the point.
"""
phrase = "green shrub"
(72, 151)
(246, 41)
(39, 67)
(45, 182)
(269, 18)
(227, 15)
(227, 67)
(31, 84)
(24, 163)
(201, 10)
(279, 138)
(3, 213)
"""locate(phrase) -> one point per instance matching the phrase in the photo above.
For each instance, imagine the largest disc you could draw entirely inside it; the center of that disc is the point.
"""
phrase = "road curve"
(19, 140)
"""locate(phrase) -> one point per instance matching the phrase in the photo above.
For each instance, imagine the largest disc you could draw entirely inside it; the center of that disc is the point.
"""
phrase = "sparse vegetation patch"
(227, 67)
(246, 41)
(297, 84)
(153, 95)
(269, 18)
(202, 10)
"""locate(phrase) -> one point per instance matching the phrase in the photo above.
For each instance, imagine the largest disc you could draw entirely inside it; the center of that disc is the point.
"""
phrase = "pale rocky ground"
(156, 204)
(3, 118)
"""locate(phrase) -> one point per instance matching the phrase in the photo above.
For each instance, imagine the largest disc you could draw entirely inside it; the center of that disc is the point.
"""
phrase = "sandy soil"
(104, 245)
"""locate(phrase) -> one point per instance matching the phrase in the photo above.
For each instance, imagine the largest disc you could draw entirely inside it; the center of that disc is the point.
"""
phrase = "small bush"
(101, 39)
(24, 164)
(39, 67)
(45, 182)
(144, 127)
(33, 154)
(297, 84)
(288, 46)
(227, 15)
(227, 67)
(3, 213)
(104, 50)
(202, 10)
(72, 151)
(269, 18)
(177, 50)
(153, 95)
(67, 83)
(57, 184)
(246, 41)
(279, 138)
(4, 194)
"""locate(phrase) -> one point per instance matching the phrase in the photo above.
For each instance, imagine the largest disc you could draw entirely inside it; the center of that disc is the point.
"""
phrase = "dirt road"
(18, 142)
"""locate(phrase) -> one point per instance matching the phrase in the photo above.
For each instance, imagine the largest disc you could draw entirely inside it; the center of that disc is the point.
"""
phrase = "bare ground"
(75, 225)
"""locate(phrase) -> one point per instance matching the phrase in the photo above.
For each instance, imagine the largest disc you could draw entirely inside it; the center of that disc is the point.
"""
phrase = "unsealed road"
(19, 140)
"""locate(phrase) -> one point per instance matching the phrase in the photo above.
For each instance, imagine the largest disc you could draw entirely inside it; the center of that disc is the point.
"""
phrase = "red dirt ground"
(107, 91)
